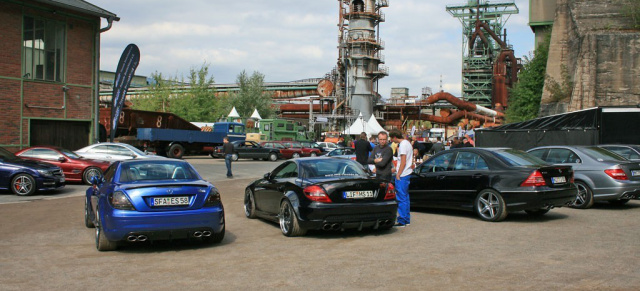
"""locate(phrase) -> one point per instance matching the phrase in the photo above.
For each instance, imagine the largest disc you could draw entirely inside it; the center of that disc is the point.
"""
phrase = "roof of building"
(81, 6)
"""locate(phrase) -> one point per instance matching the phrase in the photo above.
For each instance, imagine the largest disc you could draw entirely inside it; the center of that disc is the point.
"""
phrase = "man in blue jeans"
(227, 149)
(403, 171)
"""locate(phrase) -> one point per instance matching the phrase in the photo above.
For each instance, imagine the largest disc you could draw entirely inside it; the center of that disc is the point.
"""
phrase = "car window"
(288, 171)
(518, 158)
(332, 168)
(538, 153)
(625, 152)
(119, 150)
(45, 154)
(99, 149)
(156, 171)
(601, 154)
(437, 164)
(109, 173)
(469, 161)
(5, 155)
(562, 156)
(69, 153)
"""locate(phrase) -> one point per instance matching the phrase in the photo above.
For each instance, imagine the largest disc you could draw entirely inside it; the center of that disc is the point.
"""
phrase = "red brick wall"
(10, 40)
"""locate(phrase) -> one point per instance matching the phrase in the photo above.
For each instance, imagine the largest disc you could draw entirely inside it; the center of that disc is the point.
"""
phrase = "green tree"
(525, 96)
(157, 98)
(250, 96)
(197, 102)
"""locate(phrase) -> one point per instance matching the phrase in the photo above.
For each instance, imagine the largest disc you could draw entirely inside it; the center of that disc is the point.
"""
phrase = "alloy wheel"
(23, 185)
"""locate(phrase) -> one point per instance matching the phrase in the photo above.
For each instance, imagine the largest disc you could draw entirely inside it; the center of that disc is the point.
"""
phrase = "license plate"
(171, 201)
(558, 180)
(62, 180)
(358, 194)
(635, 173)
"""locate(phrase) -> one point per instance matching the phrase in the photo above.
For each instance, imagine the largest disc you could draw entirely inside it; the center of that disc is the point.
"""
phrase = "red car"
(75, 167)
(287, 153)
(306, 152)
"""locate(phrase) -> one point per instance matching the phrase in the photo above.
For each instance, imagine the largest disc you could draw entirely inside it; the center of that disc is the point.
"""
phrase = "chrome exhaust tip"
(326, 226)
(335, 226)
(142, 237)
(197, 234)
(132, 238)
(206, 233)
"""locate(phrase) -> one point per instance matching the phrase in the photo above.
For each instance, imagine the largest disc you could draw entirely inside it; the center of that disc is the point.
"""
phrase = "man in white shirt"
(403, 171)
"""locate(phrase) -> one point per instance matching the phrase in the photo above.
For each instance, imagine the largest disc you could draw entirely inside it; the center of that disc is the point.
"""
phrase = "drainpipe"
(96, 99)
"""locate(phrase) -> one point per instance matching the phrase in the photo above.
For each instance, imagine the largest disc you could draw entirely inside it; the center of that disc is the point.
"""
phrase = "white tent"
(234, 113)
(359, 126)
(256, 115)
(374, 125)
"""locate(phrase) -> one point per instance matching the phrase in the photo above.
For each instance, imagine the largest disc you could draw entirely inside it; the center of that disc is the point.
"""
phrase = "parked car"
(287, 153)
(600, 175)
(25, 177)
(321, 193)
(75, 167)
(306, 151)
(249, 150)
(314, 145)
(492, 182)
(113, 151)
(349, 153)
(152, 199)
(327, 146)
(627, 151)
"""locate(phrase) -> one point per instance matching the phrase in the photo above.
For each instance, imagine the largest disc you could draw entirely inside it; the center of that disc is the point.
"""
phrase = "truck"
(282, 129)
(167, 134)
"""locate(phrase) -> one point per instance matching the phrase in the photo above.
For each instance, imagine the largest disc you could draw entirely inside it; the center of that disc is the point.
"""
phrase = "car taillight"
(120, 201)
(616, 173)
(213, 199)
(353, 158)
(535, 179)
(316, 193)
(390, 191)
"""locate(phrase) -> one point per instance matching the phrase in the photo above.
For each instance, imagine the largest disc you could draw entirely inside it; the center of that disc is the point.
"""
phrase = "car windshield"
(135, 150)
(5, 155)
(518, 158)
(156, 170)
(69, 153)
(327, 168)
(601, 154)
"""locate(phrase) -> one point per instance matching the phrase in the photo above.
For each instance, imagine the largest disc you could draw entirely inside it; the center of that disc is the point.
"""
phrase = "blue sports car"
(24, 177)
(153, 199)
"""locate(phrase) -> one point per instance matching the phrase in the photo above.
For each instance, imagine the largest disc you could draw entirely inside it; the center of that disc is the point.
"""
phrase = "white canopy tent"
(371, 127)
(234, 113)
(256, 115)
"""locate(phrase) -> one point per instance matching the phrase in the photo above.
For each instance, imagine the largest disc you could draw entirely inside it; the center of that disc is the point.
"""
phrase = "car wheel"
(313, 154)
(87, 220)
(216, 237)
(249, 204)
(295, 155)
(176, 151)
(234, 157)
(537, 212)
(273, 157)
(584, 198)
(619, 202)
(213, 156)
(289, 223)
(102, 243)
(23, 185)
(490, 206)
(89, 173)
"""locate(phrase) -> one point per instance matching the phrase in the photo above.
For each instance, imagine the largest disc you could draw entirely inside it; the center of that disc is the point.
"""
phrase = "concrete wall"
(593, 40)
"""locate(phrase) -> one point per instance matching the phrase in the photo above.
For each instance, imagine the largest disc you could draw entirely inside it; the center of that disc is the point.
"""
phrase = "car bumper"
(522, 200)
(119, 224)
(624, 190)
(348, 215)
(46, 184)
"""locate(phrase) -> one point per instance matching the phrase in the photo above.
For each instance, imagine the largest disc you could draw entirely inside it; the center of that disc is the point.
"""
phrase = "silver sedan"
(113, 151)
(600, 175)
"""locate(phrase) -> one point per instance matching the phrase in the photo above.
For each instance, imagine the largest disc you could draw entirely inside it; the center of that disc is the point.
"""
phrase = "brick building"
(49, 64)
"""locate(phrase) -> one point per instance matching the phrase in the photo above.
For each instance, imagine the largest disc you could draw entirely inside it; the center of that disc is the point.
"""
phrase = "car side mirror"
(267, 176)
(134, 156)
(61, 159)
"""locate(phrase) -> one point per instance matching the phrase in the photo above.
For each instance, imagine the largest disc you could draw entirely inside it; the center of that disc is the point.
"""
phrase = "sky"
(289, 40)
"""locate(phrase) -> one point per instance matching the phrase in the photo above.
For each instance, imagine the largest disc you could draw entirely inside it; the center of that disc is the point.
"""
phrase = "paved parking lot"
(44, 245)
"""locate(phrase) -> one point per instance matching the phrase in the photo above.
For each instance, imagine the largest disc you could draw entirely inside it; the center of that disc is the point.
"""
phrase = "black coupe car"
(321, 193)
(249, 150)
(492, 182)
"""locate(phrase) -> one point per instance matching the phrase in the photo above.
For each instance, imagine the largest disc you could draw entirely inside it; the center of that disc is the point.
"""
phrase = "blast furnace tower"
(360, 54)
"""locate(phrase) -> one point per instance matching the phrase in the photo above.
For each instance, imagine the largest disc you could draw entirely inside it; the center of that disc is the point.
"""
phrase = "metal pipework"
(464, 105)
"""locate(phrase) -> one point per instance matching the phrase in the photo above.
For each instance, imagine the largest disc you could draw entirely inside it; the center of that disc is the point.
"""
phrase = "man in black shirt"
(227, 149)
(382, 157)
(363, 147)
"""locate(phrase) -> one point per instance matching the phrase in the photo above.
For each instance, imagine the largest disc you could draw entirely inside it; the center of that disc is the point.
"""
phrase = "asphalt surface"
(44, 245)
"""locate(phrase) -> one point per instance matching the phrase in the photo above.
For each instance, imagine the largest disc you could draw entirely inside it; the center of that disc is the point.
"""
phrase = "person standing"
(227, 149)
(403, 170)
(362, 147)
(381, 157)
(437, 147)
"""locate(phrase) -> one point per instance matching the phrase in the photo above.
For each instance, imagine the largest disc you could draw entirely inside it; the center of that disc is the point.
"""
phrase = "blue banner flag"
(126, 69)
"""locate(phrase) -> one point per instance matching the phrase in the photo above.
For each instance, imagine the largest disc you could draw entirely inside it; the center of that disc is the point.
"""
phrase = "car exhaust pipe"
(326, 226)
(335, 226)
(142, 237)
(197, 234)
(206, 233)
(132, 238)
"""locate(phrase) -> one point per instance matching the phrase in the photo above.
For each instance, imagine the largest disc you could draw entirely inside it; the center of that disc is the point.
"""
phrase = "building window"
(43, 49)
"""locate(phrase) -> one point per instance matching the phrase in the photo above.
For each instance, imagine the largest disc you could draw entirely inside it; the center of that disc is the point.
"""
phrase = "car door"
(104, 187)
(271, 192)
(428, 182)
(241, 150)
(470, 174)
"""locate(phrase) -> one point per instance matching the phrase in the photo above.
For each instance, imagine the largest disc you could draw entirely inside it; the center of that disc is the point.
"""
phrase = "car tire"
(234, 157)
(490, 206)
(249, 204)
(102, 243)
(90, 172)
(289, 223)
(87, 220)
(618, 202)
(584, 198)
(23, 185)
(537, 212)
(176, 151)
(213, 156)
(216, 237)
(273, 157)
(295, 155)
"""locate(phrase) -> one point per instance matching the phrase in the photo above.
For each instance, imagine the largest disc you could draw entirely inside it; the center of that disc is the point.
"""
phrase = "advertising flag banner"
(126, 69)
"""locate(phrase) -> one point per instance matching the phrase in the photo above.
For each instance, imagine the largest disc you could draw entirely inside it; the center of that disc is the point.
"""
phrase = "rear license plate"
(62, 180)
(171, 201)
(635, 173)
(558, 180)
(358, 194)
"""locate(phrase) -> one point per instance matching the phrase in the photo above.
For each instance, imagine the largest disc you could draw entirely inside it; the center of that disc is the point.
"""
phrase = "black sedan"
(321, 193)
(249, 150)
(492, 182)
